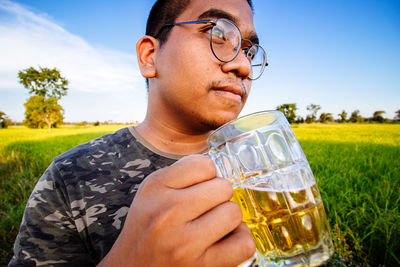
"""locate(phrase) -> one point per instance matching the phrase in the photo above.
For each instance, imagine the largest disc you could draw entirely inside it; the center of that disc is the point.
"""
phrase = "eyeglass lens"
(226, 42)
(258, 62)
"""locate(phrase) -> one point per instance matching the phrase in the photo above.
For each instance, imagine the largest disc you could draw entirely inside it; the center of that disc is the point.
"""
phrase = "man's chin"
(218, 121)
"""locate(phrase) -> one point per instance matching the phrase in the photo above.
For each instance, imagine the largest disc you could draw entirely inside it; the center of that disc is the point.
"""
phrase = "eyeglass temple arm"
(258, 65)
(191, 22)
(185, 22)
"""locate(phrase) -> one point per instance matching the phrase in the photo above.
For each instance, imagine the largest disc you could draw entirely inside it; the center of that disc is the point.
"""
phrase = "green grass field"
(357, 168)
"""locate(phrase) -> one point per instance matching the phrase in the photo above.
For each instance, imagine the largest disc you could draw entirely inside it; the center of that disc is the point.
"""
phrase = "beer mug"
(275, 189)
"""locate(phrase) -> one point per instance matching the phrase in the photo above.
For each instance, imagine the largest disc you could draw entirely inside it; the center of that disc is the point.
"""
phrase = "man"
(125, 199)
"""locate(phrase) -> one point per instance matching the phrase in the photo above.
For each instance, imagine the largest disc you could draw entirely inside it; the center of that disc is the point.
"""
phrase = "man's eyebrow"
(218, 13)
(254, 38)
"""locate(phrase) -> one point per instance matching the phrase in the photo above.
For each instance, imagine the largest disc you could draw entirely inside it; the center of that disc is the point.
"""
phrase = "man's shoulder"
(111, 156)
(108, 144)
(100, 158)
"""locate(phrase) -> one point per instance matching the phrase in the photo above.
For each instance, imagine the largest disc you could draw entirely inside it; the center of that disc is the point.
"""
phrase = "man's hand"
(182, 216)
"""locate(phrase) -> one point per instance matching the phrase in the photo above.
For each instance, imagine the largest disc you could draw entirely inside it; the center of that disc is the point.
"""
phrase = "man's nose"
(241, 65)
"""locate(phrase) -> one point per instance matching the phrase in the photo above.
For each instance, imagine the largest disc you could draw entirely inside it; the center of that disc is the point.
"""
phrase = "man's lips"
(230, 91)
(228, 96)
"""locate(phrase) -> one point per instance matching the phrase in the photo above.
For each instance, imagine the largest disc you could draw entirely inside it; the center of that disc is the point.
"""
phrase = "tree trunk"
(48, 122)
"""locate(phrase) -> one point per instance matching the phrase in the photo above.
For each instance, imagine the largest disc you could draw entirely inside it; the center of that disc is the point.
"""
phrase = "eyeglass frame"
(214, 23)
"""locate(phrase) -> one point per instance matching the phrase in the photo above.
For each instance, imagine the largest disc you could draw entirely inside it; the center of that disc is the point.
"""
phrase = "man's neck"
(170, 139)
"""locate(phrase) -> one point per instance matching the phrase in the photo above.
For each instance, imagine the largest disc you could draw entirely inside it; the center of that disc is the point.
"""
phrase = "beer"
(289, 227)
(275, 188)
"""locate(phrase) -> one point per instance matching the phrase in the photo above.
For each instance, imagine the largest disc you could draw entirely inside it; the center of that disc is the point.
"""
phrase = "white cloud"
(104, 84)
(31, 39)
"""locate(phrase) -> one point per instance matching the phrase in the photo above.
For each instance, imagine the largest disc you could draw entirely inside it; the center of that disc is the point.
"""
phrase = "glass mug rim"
(278, 115)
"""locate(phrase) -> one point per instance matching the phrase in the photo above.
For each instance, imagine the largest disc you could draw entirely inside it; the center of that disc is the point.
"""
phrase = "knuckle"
(149, 181)
(190, 159)
(145, 188)
(225, 188)
(196, 157)
(145, 183)
(249, 247)
(199, 160)
(235, 214)
(153, 180)
(179, 253)
(160, 220)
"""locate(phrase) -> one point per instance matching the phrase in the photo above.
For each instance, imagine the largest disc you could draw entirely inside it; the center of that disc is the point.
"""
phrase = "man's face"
(194, 87)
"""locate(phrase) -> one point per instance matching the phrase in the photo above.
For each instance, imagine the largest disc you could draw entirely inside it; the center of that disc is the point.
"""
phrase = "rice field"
(357, 168)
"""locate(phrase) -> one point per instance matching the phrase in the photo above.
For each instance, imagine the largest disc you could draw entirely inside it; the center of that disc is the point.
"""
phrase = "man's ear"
(146, 49)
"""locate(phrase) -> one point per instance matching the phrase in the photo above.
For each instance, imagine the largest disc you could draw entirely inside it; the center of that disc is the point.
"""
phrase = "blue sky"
(339, 54)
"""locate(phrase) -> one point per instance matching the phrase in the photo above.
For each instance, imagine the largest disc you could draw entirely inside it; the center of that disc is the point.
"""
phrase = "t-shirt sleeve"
(48, 234)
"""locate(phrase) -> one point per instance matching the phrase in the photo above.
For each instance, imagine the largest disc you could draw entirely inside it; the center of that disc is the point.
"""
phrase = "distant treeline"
(5, 121)
(98, 123)
(290, 112)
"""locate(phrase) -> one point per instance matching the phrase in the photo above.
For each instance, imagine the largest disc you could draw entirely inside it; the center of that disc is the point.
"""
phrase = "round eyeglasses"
(226, 42)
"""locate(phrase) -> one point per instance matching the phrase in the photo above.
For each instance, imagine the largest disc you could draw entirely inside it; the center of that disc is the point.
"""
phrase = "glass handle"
(214, 157)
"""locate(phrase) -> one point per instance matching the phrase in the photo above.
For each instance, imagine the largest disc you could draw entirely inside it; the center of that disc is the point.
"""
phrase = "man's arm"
(48, 235)
(182, 216)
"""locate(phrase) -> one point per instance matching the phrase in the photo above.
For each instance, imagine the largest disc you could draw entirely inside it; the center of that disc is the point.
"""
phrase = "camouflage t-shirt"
(80, 203)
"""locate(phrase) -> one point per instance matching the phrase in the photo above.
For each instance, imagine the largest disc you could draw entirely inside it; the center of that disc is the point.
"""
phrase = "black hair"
(166, 11)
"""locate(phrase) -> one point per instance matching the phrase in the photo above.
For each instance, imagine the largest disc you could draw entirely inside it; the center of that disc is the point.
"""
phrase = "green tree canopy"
(40, 112)
(43, 82)
(299, 119)
(355, 116)
(397, 117)
(326, 117)
(4, 120)
(343, 116)
(313, 108)
(377, 116)
(289, 110)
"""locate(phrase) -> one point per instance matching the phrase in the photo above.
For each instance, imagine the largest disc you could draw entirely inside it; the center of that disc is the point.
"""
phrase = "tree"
(47, 87)
(356, 117)
(40, 112)
(397, 117)
(289, 110)
(4, 120)
(326, 117)
(313, 108)
(377, 116)
(44, 82)
(343, 116)
(299, 119)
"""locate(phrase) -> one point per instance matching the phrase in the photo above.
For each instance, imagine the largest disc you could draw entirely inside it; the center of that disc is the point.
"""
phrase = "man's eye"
(206, 28)
(250, 52)
(218, 34)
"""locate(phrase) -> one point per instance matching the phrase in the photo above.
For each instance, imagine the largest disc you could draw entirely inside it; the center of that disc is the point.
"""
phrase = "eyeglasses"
(226, 41)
